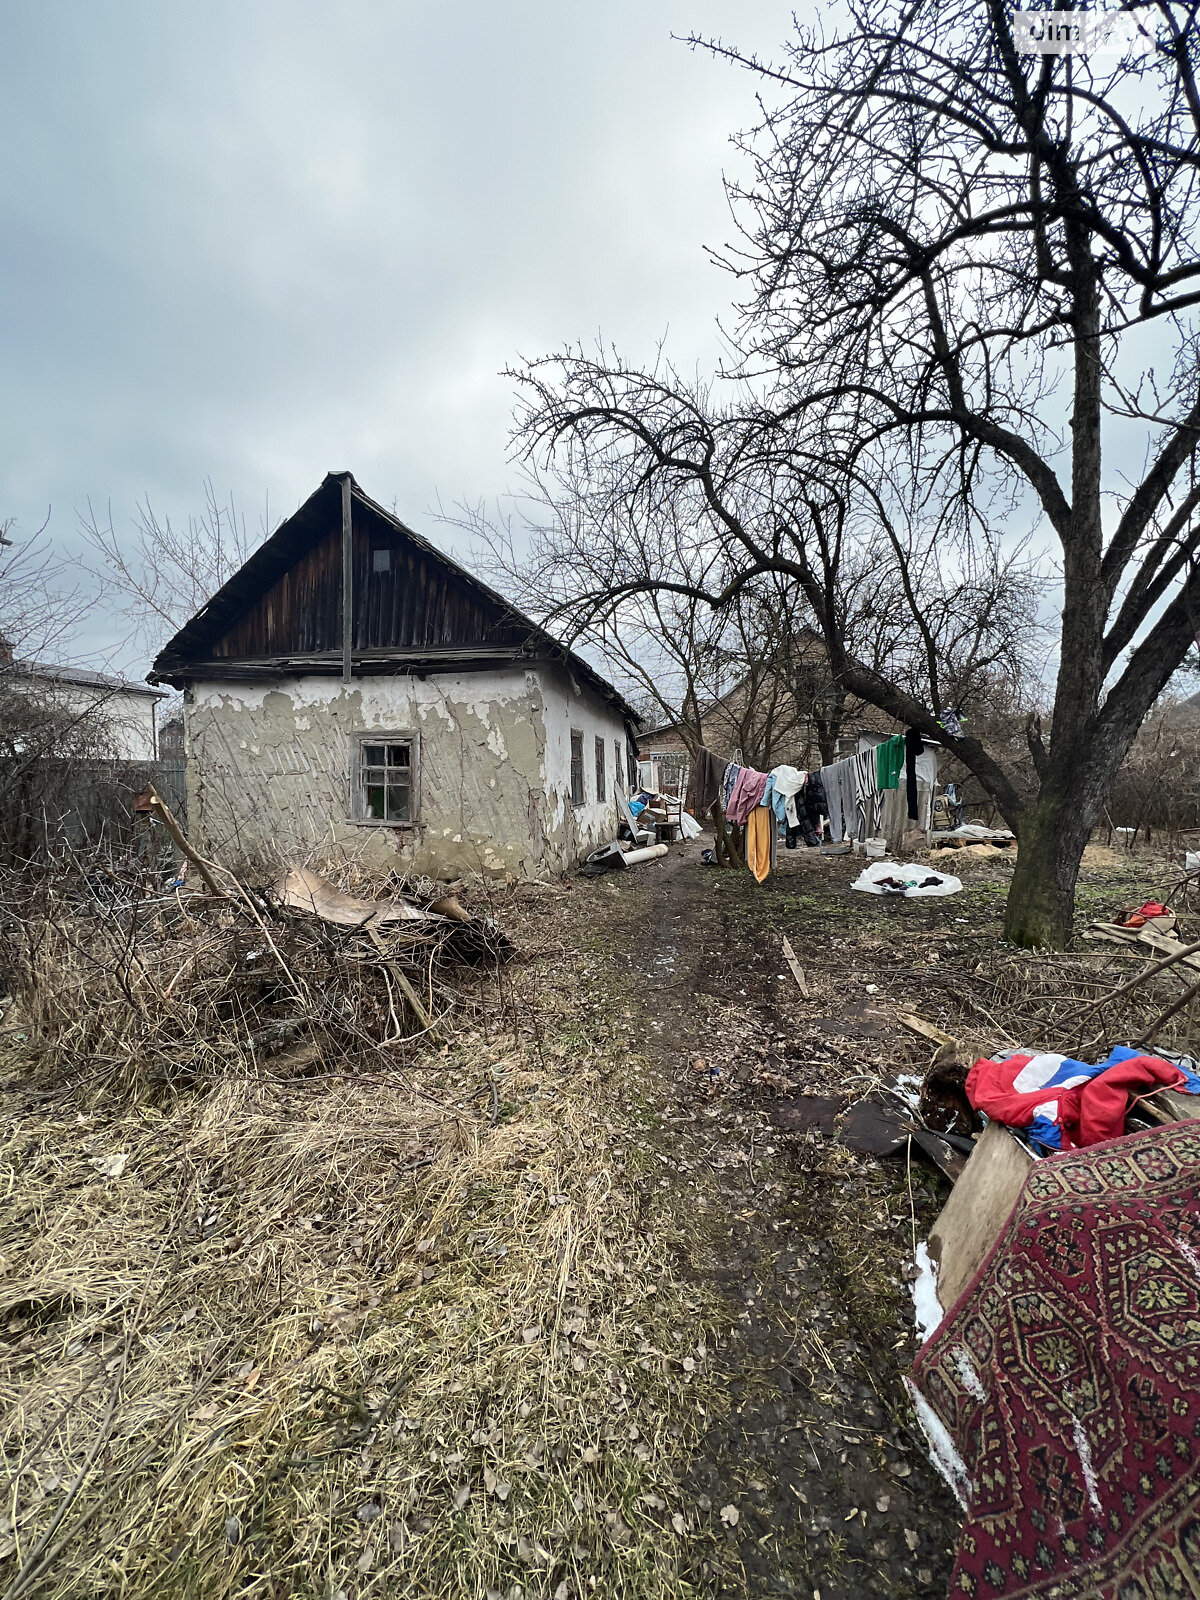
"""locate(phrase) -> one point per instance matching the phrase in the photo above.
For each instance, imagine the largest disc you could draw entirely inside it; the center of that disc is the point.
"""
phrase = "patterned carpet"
(1063, 1392)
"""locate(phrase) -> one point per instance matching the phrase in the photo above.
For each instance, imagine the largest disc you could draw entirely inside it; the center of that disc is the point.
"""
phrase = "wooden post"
(152, 803)
(347, 583)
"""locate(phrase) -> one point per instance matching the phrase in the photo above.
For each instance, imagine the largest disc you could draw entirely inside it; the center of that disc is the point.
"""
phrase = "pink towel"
(747, 793)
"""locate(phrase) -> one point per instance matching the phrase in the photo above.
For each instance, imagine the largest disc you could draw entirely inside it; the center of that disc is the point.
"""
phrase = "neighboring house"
(427, 725)
(170, 738)
(126, 712)
(759, 723)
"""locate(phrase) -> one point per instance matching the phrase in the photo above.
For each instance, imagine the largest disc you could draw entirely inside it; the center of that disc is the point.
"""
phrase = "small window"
(577, 795)
(385, 786)
(381, 560)
(601, 785)
(618, 775)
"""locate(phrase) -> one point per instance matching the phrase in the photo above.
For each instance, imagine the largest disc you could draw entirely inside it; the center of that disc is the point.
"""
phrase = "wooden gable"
(405, 600)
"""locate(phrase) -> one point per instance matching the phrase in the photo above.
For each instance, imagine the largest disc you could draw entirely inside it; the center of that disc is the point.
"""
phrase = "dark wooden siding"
(415, 605)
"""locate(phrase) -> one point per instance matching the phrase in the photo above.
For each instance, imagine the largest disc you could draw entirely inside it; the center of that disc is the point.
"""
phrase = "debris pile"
(316, 1259)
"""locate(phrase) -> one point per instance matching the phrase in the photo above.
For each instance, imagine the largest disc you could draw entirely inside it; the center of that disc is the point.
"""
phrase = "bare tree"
(41, 606)
(940, 236)
(165, 572)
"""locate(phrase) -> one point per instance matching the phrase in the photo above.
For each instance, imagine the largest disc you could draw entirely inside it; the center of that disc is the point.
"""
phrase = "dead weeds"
(331, 1312)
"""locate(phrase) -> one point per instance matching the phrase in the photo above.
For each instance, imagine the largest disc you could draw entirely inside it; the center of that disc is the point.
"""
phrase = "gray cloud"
(255, 241)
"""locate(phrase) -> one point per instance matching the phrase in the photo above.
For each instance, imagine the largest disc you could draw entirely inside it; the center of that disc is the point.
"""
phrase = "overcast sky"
(259, 240)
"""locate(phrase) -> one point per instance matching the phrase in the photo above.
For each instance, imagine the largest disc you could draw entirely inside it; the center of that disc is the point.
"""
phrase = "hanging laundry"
(838, 780)
(704, 783)
(760, 825)
(727, 783)
(1064, 1104)
(783, 785)
(812, 807)
(914, 746)
(949, 721)
(890, 758)
(866, 791)
(747, 793)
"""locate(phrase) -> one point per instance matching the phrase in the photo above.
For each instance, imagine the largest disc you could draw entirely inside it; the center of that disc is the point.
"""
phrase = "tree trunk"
(1051, 837)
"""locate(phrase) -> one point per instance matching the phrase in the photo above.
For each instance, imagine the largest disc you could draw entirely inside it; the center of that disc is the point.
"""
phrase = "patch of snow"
(908, 1087)
(967, 1371)
(926, 1305)
(1084, 1451)
(941, 1447)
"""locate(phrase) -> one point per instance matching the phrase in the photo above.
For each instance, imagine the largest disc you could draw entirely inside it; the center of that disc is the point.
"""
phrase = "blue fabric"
(1122, 1052)
(776, 801)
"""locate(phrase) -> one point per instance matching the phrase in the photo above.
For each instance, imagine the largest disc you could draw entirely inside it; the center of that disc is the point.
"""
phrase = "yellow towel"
(758, 842)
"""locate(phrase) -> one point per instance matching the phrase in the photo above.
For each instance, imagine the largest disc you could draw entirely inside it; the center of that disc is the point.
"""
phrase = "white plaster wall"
(125, 718)
(269, 770)
(570, 704)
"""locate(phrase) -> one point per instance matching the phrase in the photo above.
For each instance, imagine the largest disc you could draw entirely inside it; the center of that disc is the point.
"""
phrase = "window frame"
(576, 738)
(618, 766)
(358, 796)
(601, 770)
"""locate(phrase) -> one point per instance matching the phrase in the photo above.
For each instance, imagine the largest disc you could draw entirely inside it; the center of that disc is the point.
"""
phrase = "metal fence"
(52, 808)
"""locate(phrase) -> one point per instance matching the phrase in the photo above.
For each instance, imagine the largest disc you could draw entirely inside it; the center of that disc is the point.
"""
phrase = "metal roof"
(82, 677)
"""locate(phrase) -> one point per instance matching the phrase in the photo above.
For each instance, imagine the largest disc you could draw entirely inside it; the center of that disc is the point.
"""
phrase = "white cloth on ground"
(918, 880)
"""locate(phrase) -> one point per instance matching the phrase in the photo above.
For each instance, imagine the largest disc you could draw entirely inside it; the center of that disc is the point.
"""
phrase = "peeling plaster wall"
(568, 705)
(269, 771)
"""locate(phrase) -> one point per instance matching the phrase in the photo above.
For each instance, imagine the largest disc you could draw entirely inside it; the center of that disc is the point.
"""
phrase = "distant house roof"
(202, 645)
(81, 677)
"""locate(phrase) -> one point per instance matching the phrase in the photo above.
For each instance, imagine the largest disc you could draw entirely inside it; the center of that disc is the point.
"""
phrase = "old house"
(352, 692)
(766, 717)
(120, 714)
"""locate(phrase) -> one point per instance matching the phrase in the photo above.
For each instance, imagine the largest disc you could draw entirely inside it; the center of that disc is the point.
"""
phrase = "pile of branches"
(121, 978)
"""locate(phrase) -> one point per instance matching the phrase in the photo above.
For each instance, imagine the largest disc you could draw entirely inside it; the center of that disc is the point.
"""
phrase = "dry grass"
(347, 1320)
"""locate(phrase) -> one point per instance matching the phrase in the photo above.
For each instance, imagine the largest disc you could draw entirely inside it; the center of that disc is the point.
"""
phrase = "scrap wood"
(927, 1030)
(789, 955)
(150, 803)
(308, 891)
(1187, 953)
(979, 1205)
(402, 978)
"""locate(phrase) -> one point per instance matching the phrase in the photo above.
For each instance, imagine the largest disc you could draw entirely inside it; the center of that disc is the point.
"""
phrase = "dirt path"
(807, 1243)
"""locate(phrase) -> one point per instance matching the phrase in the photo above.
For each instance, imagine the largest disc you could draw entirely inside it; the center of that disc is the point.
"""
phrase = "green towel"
(889, 761)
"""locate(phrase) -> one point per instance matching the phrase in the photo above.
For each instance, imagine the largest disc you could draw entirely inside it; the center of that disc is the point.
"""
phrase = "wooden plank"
(347, 583)
(1168, 945)
(789, 955)
(927, 1030)
(978, 1207)
(1179, 1107)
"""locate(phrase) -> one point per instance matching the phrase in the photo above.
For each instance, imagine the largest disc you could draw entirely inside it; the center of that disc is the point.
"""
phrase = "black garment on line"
(913, 747)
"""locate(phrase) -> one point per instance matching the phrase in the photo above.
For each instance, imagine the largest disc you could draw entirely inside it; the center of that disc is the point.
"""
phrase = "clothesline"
(849, 793)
